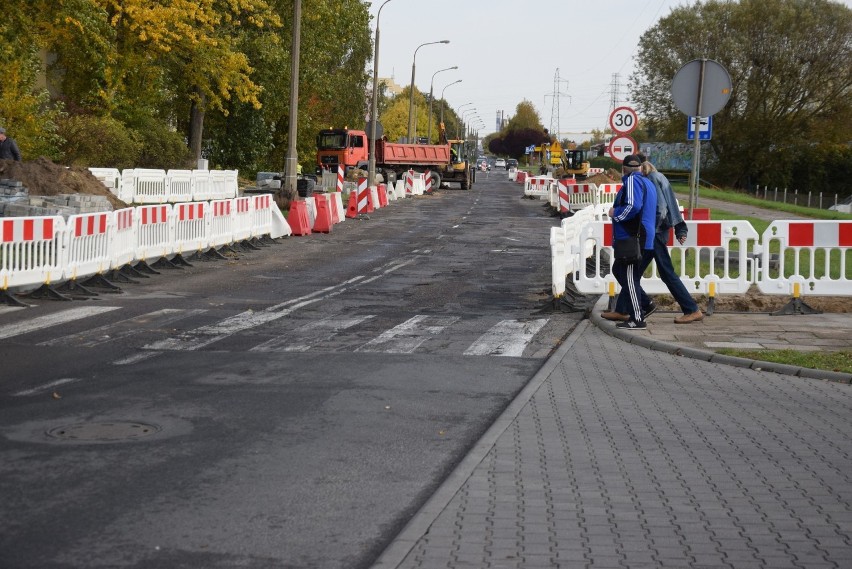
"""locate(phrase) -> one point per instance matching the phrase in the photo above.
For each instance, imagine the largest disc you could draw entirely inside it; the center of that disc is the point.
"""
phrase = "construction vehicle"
(446, 162)
(575, 164)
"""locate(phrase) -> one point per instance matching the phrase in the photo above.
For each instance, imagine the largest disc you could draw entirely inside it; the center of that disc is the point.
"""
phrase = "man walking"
(8, 147)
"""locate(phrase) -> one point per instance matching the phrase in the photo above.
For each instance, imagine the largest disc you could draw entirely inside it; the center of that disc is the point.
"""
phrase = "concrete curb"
(639, 339)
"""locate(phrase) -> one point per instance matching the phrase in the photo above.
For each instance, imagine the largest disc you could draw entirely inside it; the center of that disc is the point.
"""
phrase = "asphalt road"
(289, 407)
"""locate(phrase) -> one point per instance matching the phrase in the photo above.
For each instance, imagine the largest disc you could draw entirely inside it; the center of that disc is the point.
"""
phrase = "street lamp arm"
(411, 89)
(371, 164)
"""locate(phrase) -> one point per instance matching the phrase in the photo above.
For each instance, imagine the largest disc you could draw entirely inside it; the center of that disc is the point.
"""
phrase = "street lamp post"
(411, 90)
(461, 120)
(431, 85)
(374, 107)
(442, 101)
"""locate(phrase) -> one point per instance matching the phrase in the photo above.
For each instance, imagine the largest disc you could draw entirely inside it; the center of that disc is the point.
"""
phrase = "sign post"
(701, 88)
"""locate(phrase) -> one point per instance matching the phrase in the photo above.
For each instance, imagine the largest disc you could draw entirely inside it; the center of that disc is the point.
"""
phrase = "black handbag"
(627, 250)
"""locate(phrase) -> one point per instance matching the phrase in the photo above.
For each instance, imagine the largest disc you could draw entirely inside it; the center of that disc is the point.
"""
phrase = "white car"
(500, 163)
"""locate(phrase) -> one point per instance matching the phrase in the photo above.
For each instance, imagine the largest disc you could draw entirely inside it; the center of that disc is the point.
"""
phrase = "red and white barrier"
(340, 179)
(605, 196)
(805, 253)
(563, 204)
(706, 238)
(88, 245)
(242, 219)
(122, 239)
(538, 186)
(31, 251)
(154, 232)
(221, 231)
(427, 182)
(191, 227)
(364, 198)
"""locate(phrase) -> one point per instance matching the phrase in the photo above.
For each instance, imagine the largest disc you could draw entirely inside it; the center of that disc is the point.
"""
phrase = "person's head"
(647, 168)
(2, 134)
(630, 164)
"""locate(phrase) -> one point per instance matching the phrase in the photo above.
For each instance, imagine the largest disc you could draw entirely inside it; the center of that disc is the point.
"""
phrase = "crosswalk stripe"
(408, 336)
(112, 332)
(10, 330)
(506, 338)
(309, 335)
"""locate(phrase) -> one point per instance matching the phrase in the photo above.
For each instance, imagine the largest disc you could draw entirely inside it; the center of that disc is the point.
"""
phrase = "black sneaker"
(632, 325)
(652, 308)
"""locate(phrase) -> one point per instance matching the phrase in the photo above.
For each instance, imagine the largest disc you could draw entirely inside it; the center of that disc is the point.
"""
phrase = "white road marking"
(45, 387)
(408, 336)
(110, 332)
(10, 330)
(506, 338)
(135, 358)
(310, 334)
(206, 335)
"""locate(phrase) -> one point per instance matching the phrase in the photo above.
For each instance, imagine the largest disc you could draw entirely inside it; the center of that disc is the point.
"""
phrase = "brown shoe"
(696, 316)
(615, 316)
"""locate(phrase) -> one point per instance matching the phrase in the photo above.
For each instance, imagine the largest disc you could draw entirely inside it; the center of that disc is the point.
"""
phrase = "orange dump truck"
(351, 149)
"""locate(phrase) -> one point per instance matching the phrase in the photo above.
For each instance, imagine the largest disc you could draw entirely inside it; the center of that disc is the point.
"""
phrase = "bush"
(161, 147)
(98, 141)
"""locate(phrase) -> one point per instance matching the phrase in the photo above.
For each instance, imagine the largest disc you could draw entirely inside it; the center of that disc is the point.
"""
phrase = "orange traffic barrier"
(322, 223)
(298, 218)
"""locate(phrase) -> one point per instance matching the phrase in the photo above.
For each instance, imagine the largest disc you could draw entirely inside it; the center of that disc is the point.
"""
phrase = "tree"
(790, 63)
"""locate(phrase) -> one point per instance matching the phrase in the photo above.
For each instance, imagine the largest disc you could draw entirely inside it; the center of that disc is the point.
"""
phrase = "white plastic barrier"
(595, 171)
(154, 232)
(242, 218)
(88, 245)
(336, 201)
(180, 187)
(122, 238)
(568, 253)
(810, 247)
(150, 186)
(538, 186)
(400, 189)
(513, 173)
(265, 221)
(731, 239)
(374, 195)
(232, 184)
(109, 177)
(582, 195)
(202, 187)
(191, 227)
(329, 180)
(219, 185)
(605, 196)
(221, 224)
(31, 251)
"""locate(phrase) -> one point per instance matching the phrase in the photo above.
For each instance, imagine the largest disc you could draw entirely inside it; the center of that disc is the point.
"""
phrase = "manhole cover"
(104, 431)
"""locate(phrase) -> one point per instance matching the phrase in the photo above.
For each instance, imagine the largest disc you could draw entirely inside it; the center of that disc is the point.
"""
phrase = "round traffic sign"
(622, 146)
(705, 78)
(623, 120)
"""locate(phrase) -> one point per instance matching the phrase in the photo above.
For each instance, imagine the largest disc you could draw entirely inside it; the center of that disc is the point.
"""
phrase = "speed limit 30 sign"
(623, 120)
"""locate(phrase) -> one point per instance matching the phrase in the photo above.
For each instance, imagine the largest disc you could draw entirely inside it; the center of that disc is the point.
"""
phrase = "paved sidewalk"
(616, 455)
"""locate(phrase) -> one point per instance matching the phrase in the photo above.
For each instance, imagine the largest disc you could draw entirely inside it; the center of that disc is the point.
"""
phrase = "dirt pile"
(755, 301)
(42, 177)
(609, 177)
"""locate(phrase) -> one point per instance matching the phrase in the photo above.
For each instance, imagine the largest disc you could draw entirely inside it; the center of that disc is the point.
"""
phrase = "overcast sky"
(510, 50)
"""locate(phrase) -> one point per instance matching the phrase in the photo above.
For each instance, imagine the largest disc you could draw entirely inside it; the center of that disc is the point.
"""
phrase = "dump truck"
(446, 162)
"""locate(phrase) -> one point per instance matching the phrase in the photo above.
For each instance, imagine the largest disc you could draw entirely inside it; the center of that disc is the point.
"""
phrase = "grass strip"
(830, 361)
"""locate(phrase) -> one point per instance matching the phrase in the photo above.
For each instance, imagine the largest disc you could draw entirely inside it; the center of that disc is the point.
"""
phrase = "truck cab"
(342, 147)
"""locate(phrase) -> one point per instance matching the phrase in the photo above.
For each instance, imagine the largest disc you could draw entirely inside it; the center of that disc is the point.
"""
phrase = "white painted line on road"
(111, 332)
(10, 330)
(311, 334)
(135, 358)
(45, 387)
(506, 338)
(408, 336)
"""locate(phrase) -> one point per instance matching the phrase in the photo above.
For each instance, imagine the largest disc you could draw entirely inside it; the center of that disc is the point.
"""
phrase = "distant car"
(511, 163)
(483, 164)
(500, 163)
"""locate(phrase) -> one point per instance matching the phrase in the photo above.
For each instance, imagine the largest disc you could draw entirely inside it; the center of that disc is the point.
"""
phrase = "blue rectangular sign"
(705, 129)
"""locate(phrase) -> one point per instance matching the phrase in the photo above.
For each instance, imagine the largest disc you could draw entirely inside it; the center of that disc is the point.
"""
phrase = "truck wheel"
(436, 180)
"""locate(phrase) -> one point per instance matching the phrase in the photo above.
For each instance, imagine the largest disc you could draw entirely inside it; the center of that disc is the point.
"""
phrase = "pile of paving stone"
(15, 201)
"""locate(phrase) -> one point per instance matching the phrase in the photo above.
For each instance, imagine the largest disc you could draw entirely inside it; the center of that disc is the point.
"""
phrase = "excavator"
(575, 164)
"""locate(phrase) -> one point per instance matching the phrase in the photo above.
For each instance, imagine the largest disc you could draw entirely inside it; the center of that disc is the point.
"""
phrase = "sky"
(508, 51)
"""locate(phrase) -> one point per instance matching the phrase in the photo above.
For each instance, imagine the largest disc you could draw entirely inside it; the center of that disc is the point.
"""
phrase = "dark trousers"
(628, 277)
(667, 274)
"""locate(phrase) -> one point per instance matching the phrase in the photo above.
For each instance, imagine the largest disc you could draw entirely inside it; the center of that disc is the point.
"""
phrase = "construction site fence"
(36, 251)
(149, 186)
(792, 258)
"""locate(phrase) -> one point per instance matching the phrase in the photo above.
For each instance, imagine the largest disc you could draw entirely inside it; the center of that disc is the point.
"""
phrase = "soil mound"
(43, 177)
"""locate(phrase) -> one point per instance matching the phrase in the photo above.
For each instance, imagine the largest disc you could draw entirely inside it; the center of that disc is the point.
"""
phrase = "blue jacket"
(636, 198)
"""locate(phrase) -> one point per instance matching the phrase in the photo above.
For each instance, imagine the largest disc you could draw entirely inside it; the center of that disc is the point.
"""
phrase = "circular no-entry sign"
(622, 146)
(623, 120)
